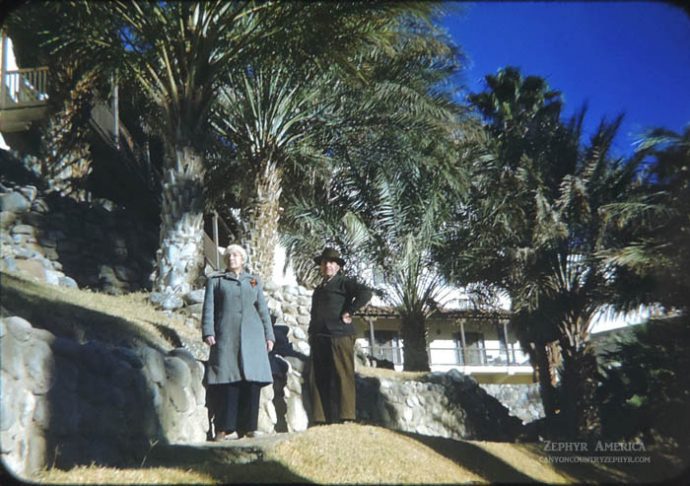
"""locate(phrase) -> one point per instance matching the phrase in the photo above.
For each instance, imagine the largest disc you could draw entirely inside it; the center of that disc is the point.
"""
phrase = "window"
(386, 346)
(475, 351)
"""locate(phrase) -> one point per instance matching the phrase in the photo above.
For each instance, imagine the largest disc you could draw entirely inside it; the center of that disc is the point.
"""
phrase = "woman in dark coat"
(237, 325)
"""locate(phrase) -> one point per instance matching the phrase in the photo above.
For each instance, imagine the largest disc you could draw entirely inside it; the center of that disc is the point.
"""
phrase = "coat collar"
(232, 276)
(331, 280)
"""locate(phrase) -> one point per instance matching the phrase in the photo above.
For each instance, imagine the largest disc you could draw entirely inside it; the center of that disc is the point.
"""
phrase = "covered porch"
(474, 342)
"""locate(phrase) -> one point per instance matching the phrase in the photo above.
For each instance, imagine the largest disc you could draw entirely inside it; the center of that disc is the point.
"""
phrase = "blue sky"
(631, 57)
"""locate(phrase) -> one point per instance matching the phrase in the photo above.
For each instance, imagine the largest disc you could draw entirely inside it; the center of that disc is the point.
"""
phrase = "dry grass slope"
(83, 314)
(357, 454)
(107, 475)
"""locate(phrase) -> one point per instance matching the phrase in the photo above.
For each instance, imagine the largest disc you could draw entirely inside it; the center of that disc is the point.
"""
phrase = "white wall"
(11, 65)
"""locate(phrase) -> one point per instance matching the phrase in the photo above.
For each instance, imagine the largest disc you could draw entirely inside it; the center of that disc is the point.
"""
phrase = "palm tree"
(662, 250)
(645, 389)
(411, 216)
(272, 118)
(384, 198)
(177, 52)
(282, 121)
(535, 224)
(494, 220)
(180, 54)
(390, 231)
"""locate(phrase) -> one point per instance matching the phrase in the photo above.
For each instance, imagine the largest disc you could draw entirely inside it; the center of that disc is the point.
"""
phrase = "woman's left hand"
(269, 346)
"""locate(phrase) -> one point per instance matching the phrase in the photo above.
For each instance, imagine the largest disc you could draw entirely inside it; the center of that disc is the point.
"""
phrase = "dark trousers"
(234, 406)
(332, 378)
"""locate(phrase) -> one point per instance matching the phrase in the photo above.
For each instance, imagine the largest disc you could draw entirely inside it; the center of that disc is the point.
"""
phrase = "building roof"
(389, 312)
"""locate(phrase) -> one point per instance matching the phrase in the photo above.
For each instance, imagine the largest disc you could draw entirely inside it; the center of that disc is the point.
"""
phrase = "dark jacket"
(330, 301)
(235, 312)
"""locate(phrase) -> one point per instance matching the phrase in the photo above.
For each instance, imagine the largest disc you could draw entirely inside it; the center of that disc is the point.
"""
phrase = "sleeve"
(264, 314)
(208, 313)
(358, 295)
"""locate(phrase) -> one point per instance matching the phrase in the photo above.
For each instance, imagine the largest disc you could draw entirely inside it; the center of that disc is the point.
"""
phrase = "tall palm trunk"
(263, 216)
(543, 364)
(180, 254)
(580, 409)
(414, 335)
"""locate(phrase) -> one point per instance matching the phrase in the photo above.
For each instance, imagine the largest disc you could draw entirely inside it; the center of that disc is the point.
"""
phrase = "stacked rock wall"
(447, 405)
(440, 404)
(66, 403)
(523, 400)
(290, 305)
(64, 242)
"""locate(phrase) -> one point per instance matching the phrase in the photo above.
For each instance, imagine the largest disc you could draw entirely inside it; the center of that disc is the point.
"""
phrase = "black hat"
(330, 254)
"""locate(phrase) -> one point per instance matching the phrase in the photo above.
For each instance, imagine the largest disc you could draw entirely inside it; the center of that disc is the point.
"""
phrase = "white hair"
(234, 248)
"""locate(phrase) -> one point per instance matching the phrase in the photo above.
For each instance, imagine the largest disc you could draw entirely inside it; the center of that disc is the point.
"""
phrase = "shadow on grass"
(495, 470)
(227, 464)
(264, 472)
(25, 299)
(658, 470)
(473, 458)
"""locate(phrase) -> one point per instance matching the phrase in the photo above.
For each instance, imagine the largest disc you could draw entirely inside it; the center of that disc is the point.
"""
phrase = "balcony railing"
(455, 356)
(24, 88)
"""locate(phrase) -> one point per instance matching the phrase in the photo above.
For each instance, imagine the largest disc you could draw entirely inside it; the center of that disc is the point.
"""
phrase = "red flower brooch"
(252, 282)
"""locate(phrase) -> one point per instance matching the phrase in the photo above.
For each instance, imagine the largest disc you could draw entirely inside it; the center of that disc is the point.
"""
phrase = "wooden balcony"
(23, 98)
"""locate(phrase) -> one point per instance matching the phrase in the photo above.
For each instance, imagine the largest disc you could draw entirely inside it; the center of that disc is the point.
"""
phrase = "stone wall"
(68, 243)
(66, 403)
(446, 404)
(523, 400)
(440, 404)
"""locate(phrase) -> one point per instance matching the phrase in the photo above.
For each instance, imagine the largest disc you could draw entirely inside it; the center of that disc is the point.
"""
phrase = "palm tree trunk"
(263, 216)
(546, 375)
(581, 413)
(180, 255)
(414, 336)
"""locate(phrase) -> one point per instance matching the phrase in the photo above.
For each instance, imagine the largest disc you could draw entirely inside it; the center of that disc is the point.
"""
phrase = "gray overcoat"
(235, 313)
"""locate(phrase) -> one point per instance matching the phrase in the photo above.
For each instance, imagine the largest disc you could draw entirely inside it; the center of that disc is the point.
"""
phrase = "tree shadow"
(264, 472)
(474, 458)
(101, 407)
(95, 404)
(22, 298)
(226, 463)
(370, 401)
(283, 356)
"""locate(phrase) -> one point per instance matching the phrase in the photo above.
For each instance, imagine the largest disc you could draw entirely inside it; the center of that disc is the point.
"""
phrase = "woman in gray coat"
(237, 325)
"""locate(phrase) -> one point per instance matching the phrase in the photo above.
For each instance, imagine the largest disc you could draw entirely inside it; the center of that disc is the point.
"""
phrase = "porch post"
(372, 341)
(3, 68)
(116, 112)
(464, 343)
(505, 337)
(215, 238)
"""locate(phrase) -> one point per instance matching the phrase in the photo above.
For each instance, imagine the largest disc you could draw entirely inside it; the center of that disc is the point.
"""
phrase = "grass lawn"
(84, 315)
(364, 454)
